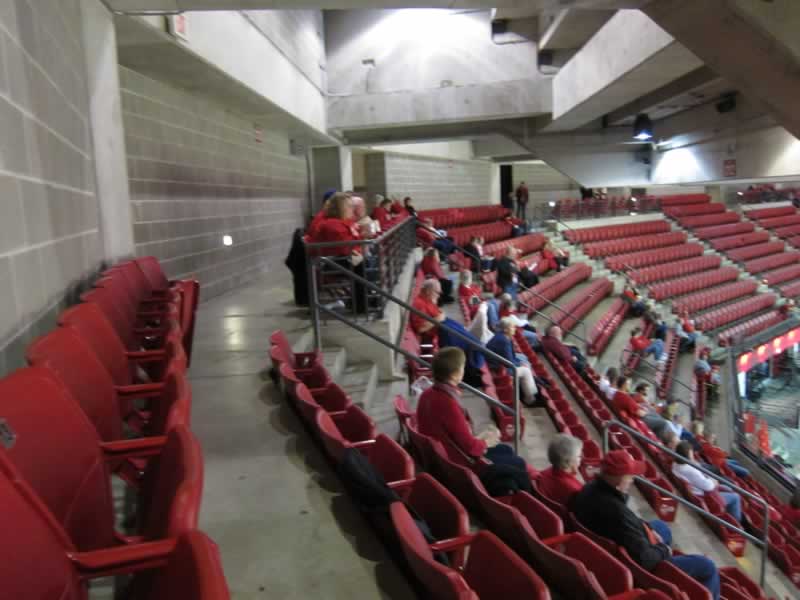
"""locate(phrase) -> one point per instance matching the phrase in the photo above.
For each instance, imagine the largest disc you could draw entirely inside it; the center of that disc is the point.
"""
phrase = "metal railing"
(563, 311)
(762, 542)
(316, 307)
(383, 260)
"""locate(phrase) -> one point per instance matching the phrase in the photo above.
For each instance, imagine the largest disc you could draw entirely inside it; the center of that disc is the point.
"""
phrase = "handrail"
(585, 337)
(763, 542)
(674, 379)
(444, 237)
(488, 353)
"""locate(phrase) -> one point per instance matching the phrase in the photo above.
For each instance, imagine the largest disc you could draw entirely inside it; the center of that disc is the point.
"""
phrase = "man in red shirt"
(431, 267)
(427, 302)
(644, 345)
(559, 482)
(625, 405)
(552, 344)
(382, 212)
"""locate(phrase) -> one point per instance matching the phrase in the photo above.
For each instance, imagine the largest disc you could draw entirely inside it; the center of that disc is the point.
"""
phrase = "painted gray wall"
(197, 173)
(49, 232)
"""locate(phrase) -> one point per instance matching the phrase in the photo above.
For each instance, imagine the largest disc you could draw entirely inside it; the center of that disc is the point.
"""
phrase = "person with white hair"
(427, 302)
(560, 482)
(502, 345)
(506, 309)
(472, 296)
(369, 228)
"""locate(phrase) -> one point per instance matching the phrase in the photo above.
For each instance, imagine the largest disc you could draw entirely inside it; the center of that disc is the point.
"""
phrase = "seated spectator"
(553, 257)
(508, 272)
(645, 346)
(661, 328)
(382, 212)
(409, 206)
(701, 484)
(687, 339)
(601, 507)
(322, 214)
(366, 226)
(427, 302)
(473, 296)
(478, 261)
(624, 404)
(431, 267)
(502, 344)
(713, 452)
(651, 417)
(553, 343)
(608, 382)
(632, 297)
(506, 308)
(426, 234)
(441, 416)
(559, 482)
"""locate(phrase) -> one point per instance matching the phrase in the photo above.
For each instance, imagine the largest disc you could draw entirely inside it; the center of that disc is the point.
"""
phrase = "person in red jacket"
(338, 226)
(427, 302)
(554, 258)
(319, 218)
(560, 482)
(431, 267)
(625, 405)
(644, 345)
(441, 416)
(382, 213)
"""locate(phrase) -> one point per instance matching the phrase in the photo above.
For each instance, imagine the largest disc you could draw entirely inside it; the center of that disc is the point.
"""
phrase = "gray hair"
(431, 285)
(507, 323)
(563, 449)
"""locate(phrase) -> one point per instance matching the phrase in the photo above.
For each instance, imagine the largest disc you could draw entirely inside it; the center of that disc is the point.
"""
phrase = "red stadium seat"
(606, 326)
(610, 232)
(767, 263)
(296, 360)
(709, 220)
(760, 214)
(750, 327)
(492, 569)
(697, 281)
(717, 231)
(675, 269)
(352, 427)
(740, 240)
(645, 242)
(43, 564)
(734, 312)
(636, 260)
(755, 251)
(702, 300)
(76, 488)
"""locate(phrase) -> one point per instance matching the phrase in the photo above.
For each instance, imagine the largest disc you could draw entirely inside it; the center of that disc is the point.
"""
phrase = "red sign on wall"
(729, 167)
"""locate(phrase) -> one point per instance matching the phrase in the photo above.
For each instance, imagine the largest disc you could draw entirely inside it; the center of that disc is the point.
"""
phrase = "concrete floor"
(271, 501)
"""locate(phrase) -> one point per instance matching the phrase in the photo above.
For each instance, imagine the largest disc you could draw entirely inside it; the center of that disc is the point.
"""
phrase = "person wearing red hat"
(601, 507)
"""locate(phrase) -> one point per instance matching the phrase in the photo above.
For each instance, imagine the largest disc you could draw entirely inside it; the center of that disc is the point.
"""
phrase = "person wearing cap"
(601, 507)
(559, 482)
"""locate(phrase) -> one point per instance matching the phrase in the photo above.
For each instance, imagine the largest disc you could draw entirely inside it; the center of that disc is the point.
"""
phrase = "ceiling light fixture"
(227, 240)
(642, 128)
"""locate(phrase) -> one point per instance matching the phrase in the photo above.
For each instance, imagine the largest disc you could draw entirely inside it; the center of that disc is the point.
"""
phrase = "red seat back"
(389, 458)
(152, 271)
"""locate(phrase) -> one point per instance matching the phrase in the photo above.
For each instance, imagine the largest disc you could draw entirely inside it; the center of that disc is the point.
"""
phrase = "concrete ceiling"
(157, 55)
(518, 8)
(571, 29)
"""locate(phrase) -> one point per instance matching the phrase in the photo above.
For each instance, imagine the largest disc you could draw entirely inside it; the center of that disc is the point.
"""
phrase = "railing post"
(314, 300)
(517, 418)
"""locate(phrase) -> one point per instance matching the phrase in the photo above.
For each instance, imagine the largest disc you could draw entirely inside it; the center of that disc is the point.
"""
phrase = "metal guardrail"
(563, 311)
(763, 542)
(316, 307)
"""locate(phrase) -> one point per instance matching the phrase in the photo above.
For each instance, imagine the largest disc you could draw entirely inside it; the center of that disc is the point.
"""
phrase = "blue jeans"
(492, 313)
(511, 289)
(443, 245)
(737, 468)
(531, 337)
(697, 567)
(733, 504)
(522, 359)
(656, 348)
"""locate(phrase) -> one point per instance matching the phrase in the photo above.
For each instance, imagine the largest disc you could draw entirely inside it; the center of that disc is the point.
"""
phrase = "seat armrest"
(140, 390)
(146, 355)
(138, 448)
(122, 559)
(451, 544)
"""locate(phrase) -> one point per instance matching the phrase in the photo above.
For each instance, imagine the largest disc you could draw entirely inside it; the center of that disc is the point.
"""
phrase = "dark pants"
(447, 290)
(521, 210)
(503, 454)
(697, 567)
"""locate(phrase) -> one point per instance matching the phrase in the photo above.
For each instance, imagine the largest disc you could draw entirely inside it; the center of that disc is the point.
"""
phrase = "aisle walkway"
(271, 501)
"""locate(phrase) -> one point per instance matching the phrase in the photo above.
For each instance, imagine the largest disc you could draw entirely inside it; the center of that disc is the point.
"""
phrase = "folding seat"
(106, 405)
(296, 360)
(92, 326)
(491, 571)
(58, 453)
(41, 563)
(314, 377)
(352, 426)
(332, 398)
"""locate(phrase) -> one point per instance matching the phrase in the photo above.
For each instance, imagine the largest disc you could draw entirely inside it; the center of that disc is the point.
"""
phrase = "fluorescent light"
(633, 199)
(642, 128)
(227, 240)
(740, 193)
(551, 204)
(632, 213)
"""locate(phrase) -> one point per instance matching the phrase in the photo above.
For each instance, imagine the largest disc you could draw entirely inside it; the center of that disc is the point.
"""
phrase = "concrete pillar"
(716, 193)
(494, 184)
(346, 167)
(108, 135)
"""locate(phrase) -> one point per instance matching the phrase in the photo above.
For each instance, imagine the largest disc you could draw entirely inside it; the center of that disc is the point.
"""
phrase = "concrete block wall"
(49, 239)
(374, 176)
(433, 182)
(197, 173)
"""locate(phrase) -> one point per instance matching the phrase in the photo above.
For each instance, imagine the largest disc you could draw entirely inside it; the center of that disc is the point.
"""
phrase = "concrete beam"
(571, 29)
(629, 57)
(752, 49)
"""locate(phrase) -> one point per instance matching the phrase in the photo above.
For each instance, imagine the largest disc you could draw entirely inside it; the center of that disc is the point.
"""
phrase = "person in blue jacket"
(502, 344)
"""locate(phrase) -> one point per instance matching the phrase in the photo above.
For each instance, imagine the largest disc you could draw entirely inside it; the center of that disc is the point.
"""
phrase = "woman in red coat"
(338, 226)
(431, 267)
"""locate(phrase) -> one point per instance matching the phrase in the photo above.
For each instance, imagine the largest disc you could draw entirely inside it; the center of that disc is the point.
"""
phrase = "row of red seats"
(750, 327)
(723, 315)
(773, 261)
(718, 231)
(579, 306)
(591, 403)
(793, 241)
(675, 269)
(489, 278)
(687, 210)
(630, 358)
(645, 242)
(760, 214)
(606, 326)
(554, 286)
(465, 215)
(647, 258)
(781, 275)
(612, 232)
(717, 295)
(115, 362)
(738, 241)
(490, 232)
(786, 232)
(696, 281)
(665, 370)
(709, 220)
(776, 222)
(790, 290)
(526, 244)
(755, 251)
(683, 199)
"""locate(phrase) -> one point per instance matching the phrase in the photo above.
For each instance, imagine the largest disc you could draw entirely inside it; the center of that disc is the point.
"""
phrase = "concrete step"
(381, 409)
(334, 359)
(360, 380)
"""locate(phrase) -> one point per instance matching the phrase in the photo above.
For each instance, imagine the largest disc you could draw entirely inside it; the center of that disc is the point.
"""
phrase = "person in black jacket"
(296, 263)
(601, 507)
(508, 272)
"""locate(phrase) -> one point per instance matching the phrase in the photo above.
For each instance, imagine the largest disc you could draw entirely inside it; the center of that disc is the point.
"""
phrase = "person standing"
(522, 200)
